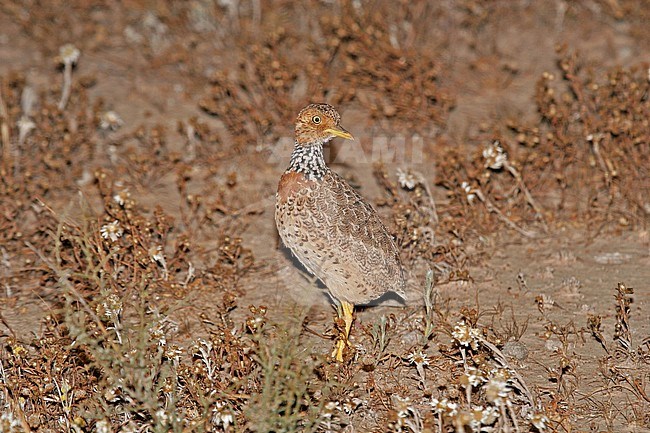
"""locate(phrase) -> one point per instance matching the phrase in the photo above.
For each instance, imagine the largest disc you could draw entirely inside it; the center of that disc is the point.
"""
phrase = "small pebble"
(515, 349)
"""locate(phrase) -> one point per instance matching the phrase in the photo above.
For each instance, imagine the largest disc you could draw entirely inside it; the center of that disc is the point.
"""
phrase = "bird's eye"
(316, 119)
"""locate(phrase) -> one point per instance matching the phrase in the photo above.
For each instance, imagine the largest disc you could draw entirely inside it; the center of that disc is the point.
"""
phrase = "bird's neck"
(309, 160)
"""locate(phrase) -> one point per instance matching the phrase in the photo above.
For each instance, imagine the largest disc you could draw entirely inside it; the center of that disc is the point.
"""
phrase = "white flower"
(102, 426)
(496, 388)
(157, 255)
(547, 299)
(69, 54)
(538, 420)
(110, 120)
(173, 352)
(157, 333)
(222, 416)
(444, 407)
(203, 347)
(117, 198)
(330, 409)
(112, 231)
(122, 196)
(418, 358)
(496, 391)
(111, 307)
(8, 422)
(402, 406)
(408, 180)
(350, 406)
(495, 156)
(472, 377)
(162, 416)
(483, 416)
(466, 335)
(469, 192)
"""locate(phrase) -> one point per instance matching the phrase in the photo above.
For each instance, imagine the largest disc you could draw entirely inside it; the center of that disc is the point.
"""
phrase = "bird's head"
(318, 124)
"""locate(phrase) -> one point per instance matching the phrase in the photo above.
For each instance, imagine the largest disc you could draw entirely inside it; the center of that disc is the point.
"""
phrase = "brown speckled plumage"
(328, 226)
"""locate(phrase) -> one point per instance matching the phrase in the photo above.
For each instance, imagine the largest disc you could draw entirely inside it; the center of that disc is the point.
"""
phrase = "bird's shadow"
(391, 299)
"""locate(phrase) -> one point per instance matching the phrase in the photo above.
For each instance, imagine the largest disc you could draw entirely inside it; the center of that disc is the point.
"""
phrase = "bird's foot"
(342, 343)
(344, 324)
(338, 350)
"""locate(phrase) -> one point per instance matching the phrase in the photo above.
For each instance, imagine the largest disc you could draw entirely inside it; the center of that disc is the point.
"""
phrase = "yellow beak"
(337, 131)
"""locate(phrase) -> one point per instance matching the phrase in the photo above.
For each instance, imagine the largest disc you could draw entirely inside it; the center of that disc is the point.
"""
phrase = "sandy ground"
(153, 68)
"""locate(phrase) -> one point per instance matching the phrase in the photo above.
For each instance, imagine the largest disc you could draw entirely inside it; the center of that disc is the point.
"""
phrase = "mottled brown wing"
(340, 238)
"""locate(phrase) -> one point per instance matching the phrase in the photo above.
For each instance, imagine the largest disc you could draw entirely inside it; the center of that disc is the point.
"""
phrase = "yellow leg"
(348, 309)
(345, 311)
(338, 350)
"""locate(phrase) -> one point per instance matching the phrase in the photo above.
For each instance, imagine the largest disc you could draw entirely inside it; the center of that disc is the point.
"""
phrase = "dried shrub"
(591, 147)
(343, 59)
